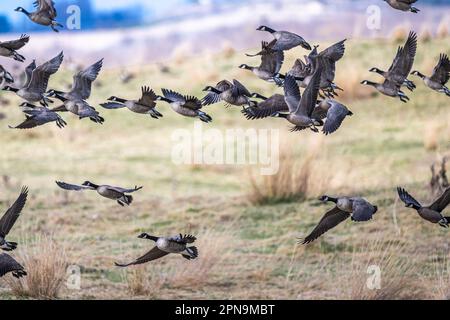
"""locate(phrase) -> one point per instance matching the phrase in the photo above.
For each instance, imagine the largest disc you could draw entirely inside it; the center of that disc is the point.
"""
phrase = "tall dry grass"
(441, 289)
(398, 274)
(443, 29)
(298, 178)
(45, 262)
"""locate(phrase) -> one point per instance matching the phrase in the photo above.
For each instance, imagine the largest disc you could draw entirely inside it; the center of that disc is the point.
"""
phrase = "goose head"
(113, 98)
(89, 184)
(265, 28)
(417, 73)
(244, 66)
(374, 69)
(20, 9)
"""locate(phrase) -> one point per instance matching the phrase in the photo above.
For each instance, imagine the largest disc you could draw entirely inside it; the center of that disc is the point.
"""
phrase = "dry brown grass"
(441, 291)
(399, 34)
(442, 30)
(138, 281)
(425, 35)
(396, 277)
(45, 262)
(293, 181)
(431, 136)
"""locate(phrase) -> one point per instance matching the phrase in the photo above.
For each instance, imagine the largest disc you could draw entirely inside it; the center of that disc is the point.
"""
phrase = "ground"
(247, 251)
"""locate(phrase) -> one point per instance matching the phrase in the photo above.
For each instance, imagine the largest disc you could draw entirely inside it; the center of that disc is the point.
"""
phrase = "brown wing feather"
(440, 204)
(11, 215)
(330, 220)
(153, 254)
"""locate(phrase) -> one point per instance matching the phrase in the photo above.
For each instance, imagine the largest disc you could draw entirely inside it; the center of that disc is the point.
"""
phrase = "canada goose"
(440, 76)
(388, 88)
(403, 5)
(327, 59)
(38, 116)
(5, 76)
(9, 264)
(44, 15)
(285, 40)
(8, 48)
(9, 218)
(34, 91)
(74, 100)
(334, 112)
(187, 106)
(235, 94)
(165, 245)
(267, 108)
(402, 64)
(145, 105)
(301, 70)
(430, 213)
(110, 192)
(358, 208)
(271, 63)
(301, 107)
(76, 106)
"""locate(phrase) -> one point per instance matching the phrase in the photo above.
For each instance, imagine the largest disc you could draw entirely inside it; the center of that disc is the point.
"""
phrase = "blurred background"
(136, 31)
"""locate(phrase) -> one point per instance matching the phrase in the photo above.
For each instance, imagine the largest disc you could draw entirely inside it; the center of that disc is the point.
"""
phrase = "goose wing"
(28, 73)
(292, 95)
(267, 108)
(407, 198)
(11, 215)
(153, 254)
(330, 220)
(335, 52)
(72, 187)
(335, 116)
(123, 190)
(82, 81)
(148, 97)
(404, 60)
(29, 123)
(212, 97)
(8, 264)
(183, 239)
(300, 69)
(309, 98)
(441, 73)
(362, 210)
(47, 6)
(173, 96)
(272, 61)
(192, 103)
(440, 204)
(17, 43)
(41, 75)
(239, 89)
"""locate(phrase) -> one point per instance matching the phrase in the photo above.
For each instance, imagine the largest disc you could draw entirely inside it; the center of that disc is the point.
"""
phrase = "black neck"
(120, 100)
(331, 199)
(270, 30)
(149, 237)
(11, 89)
(58, 95)
(25, 12)
(166, 100)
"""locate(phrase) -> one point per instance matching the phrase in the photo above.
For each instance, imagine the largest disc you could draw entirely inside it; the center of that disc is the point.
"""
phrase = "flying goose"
(9, 219)
(334, 112)
(440, 76)
(9, 264)
(432, 213)
(38, 116)
(165, 245)
(45, 14)
(403, 5)
(301, 107)
(110, 192)
(271, 63)
(34, 91)
(187, 106)
(145, 105)
(388, 88)
(27, 73)
(285, 40)
(327, 60)
(74, 100)
(235, 94)
(358, 208)
(402, 64)
(267, 108)
(5, 76)
(9, 48)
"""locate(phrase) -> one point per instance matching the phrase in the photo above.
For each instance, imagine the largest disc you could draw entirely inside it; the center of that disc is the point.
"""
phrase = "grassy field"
(247, 251)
